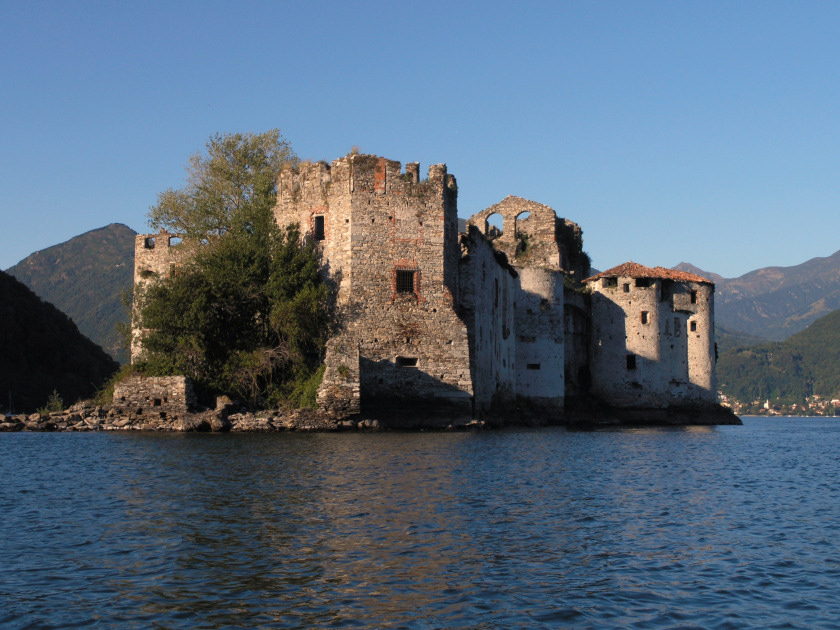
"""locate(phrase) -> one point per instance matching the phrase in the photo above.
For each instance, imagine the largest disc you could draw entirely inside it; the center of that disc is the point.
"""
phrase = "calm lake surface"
(726, 527)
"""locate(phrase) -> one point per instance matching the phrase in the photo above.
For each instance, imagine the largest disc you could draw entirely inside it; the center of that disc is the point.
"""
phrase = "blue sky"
(676, 131)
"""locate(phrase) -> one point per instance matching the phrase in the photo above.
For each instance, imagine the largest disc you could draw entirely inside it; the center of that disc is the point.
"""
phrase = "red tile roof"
(635, 270)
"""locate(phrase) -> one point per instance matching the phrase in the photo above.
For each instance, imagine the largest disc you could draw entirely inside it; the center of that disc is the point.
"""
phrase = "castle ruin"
(479, 322)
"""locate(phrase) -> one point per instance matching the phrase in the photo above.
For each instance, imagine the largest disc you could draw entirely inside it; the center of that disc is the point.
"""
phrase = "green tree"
(226, 187)
(248, 314)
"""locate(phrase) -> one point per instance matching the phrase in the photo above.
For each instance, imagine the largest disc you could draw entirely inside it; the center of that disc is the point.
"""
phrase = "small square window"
(631, 361)
(405, 281)
(319, 228)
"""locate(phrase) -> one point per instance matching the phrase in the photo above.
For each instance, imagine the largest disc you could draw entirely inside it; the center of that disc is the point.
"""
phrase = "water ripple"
(647, 528)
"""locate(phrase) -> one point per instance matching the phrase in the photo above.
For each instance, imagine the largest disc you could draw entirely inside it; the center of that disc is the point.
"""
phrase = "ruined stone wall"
(320, 193)
(525, 241)
(641, 340)
(540, 370)
(487, 289)
(576, 326)
(390, 240)
(156, 256)
(340, 391)
(154, 397)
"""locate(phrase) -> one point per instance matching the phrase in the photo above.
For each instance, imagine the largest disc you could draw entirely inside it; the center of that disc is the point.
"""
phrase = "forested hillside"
(807, 363)
(84, 277)
(41, 350)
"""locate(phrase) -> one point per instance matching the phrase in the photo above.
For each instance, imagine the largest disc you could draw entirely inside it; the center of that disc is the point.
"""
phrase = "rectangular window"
(405, 281)
(645, 318)
(609, 282)
(693, 326)
(319, 228)
(631, 361)
(627, 287)
(534, 366)
(694, 297)
(407, 361)
(642, 282)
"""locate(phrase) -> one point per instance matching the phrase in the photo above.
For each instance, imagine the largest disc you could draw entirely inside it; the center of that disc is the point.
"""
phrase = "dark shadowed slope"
(42, 350)
(84, 277)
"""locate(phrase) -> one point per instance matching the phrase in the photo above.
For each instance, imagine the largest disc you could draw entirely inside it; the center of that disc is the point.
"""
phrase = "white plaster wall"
(539, 336)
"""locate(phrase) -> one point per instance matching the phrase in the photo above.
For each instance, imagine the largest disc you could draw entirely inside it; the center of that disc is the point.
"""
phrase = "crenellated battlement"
(310, 182)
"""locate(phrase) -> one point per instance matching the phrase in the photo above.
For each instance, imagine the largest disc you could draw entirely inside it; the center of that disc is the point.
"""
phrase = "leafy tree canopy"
(225, 187)
(247, 315)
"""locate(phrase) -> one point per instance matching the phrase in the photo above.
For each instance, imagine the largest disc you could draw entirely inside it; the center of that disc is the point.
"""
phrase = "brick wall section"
(153, 397)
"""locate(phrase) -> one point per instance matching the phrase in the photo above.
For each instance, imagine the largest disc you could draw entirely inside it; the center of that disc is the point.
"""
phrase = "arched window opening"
(494, 226)
(523, 230)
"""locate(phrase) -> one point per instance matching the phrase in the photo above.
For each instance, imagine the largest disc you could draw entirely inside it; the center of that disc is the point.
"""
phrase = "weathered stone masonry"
(434, 322)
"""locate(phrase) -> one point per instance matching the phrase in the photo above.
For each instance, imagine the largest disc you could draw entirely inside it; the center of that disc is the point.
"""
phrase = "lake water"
(726, 527)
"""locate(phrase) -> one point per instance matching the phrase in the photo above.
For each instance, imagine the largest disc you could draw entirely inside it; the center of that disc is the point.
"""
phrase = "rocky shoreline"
(225, 418)
(228, 417)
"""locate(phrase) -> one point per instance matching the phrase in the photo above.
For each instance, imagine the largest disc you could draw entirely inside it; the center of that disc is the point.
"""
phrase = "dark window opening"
(645, 318)
(631, 361)
(405, 281)
(407, 361)
(694, 297)
(319, 228)
(156, 402)
(149, 243)
(534, 366)
(627, 287)
(609, 282)
(643, 282)
(693, 326)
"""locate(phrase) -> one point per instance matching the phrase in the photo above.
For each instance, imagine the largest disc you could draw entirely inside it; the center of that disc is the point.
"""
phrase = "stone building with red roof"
(652, 337)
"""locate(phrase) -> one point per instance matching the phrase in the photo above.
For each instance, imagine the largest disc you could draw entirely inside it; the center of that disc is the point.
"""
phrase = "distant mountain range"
(41, 350)
(775, 302)
(85, 277)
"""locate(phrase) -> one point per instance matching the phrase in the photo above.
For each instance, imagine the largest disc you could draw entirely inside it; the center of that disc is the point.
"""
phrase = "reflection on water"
(710, 527)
